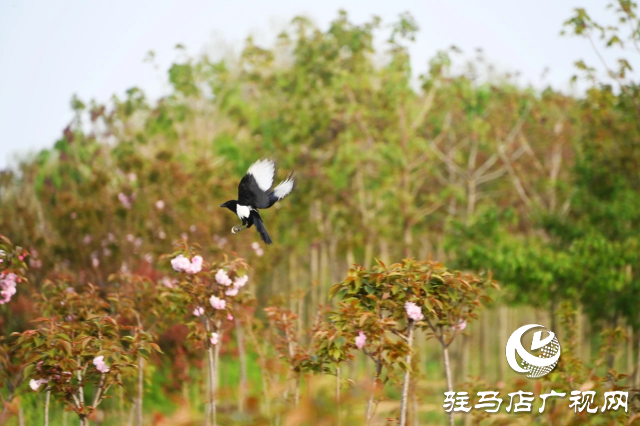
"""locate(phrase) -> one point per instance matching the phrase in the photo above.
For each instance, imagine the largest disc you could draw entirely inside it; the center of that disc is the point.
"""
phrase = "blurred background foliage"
(538, 187)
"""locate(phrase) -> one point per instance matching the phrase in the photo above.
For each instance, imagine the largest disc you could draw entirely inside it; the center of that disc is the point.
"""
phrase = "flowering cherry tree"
(76, 343)
(381, 308)
(204, 294)
(135, 301)
(12, 270)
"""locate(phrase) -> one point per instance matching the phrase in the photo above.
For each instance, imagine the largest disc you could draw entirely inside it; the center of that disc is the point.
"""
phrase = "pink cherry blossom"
(361, 340)
(35, 384)
(159, 204)
(199, 311)
(414, 311)
(7, 286)
(195, 266)
(222, 277)
(461, 325)
(240, 281)
(255, 245)
(167, 282)
(230, 317)
(180, 263)
(217, 303)
(101, 366)
(126, 201)
(233, 291)
(214, 338)
(259, 252)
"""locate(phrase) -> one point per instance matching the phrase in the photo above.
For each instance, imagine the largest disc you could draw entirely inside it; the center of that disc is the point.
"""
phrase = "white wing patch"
(283, 189)
(263, 171)
(243, 211)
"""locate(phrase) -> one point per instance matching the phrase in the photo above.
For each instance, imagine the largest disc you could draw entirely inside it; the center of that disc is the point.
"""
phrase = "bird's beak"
(223, 205)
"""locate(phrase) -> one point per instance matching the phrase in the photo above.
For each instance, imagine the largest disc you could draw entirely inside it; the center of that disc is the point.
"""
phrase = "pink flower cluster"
(217, 303)
(101, 366)
(127, 202)
(238, 283)
(414, 311)
(182, 264)
(361, 340)
(214, 338)
(461, 325)
(257, 249)
(35, 384)
(222, 278)
(198, 311)
(7, 286)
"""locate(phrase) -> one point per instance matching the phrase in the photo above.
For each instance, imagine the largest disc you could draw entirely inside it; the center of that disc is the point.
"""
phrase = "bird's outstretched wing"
(254, 186)
(283, 189)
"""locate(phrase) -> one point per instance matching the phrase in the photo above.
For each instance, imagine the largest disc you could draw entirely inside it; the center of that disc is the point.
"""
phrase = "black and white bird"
(254, 192)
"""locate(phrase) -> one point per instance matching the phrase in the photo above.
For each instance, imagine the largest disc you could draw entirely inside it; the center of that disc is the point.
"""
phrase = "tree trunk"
(414, 399)
(243, 366)
(384, 251)
(46, 407)
(324, 268)
(586, 338)
(630, 344)
(552, 314)
(315, 288)
(466, 342)
(121, 403)
(338, 391)
(211, 387)
(139, 405)
(407, 377)
(368, 252)
(370, 410)
(216, 378)
(611, 356)
(502, 325)
(447, 370)
(484, 344)
(293, 282)
(407, 239)
(334, 268)
(637, 384)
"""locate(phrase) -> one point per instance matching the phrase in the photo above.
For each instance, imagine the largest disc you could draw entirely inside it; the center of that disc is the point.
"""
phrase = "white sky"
(50, 50)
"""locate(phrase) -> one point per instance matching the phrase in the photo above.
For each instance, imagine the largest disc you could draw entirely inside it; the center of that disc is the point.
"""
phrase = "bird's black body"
(254, 192)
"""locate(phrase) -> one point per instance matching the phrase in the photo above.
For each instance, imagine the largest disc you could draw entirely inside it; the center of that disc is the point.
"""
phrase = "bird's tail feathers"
(257, 221)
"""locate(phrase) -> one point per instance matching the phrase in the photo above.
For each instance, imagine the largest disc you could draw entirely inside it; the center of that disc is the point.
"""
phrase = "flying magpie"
(254, 193)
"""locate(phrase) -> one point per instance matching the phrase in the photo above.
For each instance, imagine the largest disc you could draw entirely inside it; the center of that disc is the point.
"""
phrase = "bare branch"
(428, 102)
(485, 166)
(448, 161)
(361, 124)
(491, 176)
(514, 177)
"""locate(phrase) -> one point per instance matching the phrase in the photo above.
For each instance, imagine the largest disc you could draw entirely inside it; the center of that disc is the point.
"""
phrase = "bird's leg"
(237, 229)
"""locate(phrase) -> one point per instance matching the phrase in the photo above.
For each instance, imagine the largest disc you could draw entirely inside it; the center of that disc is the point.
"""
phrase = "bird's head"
(231, 205)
